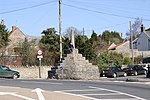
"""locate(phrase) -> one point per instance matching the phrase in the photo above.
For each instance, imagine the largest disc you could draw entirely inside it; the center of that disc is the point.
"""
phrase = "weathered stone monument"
(77, 67)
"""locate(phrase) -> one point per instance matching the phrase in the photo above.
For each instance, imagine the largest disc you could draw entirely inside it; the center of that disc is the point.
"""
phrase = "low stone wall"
(32, 72)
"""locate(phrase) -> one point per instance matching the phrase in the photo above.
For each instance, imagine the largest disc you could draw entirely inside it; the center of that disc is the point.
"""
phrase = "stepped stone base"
(77, 67)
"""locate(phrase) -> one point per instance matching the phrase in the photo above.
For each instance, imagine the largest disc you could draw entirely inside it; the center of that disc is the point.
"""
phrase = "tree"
(82, 43)
(136, 28)
(107, 59)
(93, 37)
(138, 59)
(111, 37)
(127, 61)
(3, 36)
(103, 60)
(68, 32)
(27, 53)
(49, 44)
(3, 40)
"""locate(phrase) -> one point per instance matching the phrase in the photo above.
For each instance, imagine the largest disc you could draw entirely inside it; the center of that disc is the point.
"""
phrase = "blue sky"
(34, 16)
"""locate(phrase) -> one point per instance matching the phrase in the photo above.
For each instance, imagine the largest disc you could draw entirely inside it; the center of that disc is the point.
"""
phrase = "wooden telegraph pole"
(60, 27)
(131, 43)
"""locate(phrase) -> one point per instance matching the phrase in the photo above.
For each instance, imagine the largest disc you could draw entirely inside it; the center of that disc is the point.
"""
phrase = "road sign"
(39, 52)
(39, 56)
(61, 68)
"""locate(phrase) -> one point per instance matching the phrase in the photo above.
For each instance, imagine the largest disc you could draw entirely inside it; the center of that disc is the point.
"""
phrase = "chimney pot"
(14, 28)
(142, 28)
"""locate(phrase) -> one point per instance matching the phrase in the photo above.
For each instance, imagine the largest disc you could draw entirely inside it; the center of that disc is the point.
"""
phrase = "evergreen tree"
(3, 36)
(111, 37)
(107, 59)
(93, 37)
(49, 44)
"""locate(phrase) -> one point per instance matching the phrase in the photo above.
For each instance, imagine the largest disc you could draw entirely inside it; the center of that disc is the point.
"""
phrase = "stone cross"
(72, 38)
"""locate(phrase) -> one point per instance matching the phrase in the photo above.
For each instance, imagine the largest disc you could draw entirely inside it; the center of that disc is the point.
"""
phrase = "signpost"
(61, 68)
(39, 56)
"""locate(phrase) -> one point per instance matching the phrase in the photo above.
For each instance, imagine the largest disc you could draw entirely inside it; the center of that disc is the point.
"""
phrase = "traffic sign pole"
(39, 56)
(40, 68)
(62, 72)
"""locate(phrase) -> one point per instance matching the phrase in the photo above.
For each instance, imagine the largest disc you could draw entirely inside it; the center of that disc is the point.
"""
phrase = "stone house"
(123, 48)
(16, 37)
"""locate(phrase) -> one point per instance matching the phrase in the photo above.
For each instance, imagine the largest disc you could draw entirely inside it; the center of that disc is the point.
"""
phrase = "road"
(39, 89)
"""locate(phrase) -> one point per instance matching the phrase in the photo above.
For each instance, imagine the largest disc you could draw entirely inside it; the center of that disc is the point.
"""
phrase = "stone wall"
(32, 72)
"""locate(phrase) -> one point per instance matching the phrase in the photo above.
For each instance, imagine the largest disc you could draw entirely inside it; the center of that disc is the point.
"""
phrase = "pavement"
(138, 79)
(17, 93)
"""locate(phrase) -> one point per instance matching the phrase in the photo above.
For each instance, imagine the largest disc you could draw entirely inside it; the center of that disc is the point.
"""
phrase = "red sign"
(39, 52)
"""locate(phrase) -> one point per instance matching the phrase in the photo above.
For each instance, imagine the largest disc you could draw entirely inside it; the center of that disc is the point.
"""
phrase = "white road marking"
(22, 97)
(42, 82)
(76, 95)
(39, 93)
(95, 89)
(103, 94)
(79, 90)
(139, 98)
(13, 94)
(9, 87)
(147, 83)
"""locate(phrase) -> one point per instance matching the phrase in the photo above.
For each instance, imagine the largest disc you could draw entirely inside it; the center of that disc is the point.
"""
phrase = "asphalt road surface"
(39, 89)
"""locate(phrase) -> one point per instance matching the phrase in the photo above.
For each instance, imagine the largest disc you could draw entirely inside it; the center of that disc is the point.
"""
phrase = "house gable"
(143, 42)
(16, 37)
(112, 46)
(123, 48)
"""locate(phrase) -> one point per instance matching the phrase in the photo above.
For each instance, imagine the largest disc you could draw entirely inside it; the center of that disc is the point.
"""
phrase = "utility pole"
(60, 27)
(131, 43)
(83, 32)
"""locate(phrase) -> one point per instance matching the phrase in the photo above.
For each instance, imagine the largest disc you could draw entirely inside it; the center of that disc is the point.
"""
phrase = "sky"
(34, 16)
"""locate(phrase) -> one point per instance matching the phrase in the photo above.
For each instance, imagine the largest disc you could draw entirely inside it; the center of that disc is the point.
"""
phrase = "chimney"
(14, 28)
(142, 28)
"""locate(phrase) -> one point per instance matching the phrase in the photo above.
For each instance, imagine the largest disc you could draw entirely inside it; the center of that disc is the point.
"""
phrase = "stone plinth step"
(77, 67)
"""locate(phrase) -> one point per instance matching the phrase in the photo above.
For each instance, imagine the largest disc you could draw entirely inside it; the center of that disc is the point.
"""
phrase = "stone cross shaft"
(72, 38)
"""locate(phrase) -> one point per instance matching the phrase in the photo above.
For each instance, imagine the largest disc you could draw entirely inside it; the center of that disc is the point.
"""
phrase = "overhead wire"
(109, 26)
(109, 5)
(77, 7)
(100, 12)
(25, 8)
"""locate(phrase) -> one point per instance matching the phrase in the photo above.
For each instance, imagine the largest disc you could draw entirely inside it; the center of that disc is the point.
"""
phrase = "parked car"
(135, 70)
(6, 72)
(113, 72)
(145, 66)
